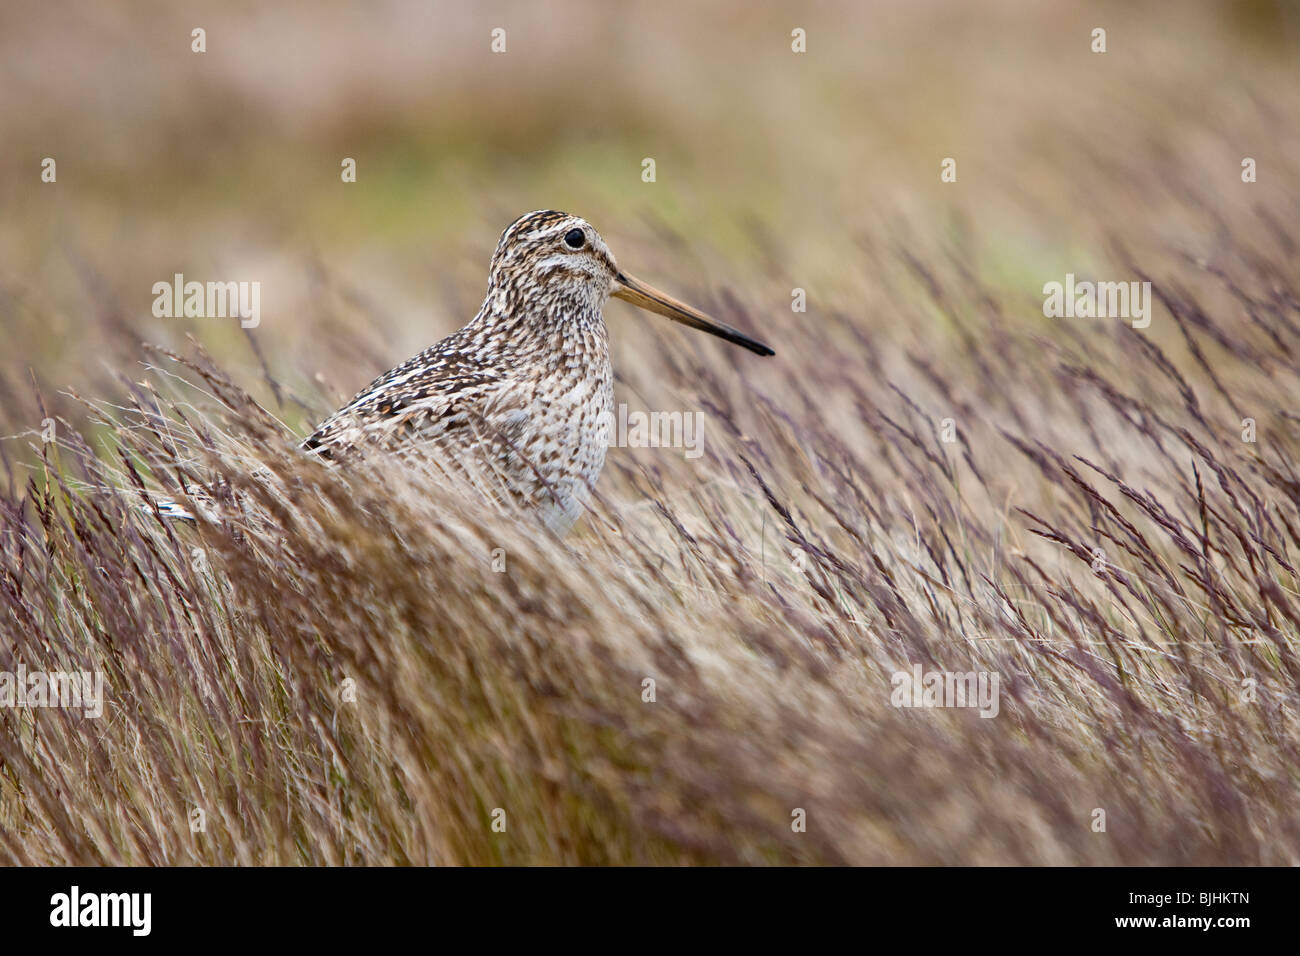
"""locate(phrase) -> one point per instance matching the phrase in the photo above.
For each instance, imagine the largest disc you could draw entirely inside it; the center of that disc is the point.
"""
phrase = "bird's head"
(548, 256)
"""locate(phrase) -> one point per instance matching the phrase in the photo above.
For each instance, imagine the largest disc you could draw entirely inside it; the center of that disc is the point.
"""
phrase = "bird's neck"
(560, 321)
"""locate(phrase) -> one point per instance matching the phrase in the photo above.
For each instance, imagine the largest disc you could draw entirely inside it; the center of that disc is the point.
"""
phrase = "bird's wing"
(427, 399)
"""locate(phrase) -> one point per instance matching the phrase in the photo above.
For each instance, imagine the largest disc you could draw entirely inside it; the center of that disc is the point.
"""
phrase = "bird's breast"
(557, 421)
(571, 416)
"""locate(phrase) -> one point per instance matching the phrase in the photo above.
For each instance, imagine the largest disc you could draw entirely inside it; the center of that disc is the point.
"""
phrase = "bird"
(522, 396)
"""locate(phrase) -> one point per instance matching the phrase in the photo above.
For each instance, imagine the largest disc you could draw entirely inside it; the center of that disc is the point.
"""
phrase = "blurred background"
(774, 170)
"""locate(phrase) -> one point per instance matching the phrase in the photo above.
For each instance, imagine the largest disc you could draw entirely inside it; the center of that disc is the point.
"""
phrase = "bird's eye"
(575, 238)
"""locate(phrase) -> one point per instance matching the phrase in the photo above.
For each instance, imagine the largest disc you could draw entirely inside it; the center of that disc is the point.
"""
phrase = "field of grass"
(354, 666)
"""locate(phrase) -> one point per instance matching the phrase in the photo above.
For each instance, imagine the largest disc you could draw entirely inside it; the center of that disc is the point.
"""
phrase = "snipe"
(524, 391)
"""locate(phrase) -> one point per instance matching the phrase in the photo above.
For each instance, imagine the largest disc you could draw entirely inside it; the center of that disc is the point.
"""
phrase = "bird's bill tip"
(645, 296)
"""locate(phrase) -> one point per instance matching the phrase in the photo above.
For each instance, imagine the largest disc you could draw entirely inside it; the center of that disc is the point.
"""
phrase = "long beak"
(648, 297)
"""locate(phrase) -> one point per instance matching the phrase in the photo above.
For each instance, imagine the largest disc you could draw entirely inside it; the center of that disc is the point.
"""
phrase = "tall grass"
(1113, 549)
